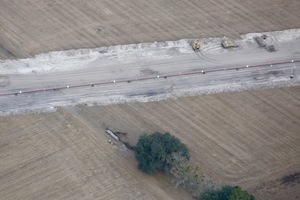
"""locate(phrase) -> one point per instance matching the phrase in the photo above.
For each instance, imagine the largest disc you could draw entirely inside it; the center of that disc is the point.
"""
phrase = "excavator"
(197, 43)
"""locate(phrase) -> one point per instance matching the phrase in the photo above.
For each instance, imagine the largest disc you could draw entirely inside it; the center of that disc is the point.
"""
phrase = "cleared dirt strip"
(148, 78)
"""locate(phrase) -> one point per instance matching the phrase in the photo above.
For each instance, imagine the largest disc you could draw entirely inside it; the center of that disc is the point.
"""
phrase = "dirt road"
(157, 61)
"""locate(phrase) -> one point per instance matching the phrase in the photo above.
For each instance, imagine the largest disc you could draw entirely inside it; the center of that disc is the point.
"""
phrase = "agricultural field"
(58, 156)
(246, 138)
(249, 138)
(35, 26)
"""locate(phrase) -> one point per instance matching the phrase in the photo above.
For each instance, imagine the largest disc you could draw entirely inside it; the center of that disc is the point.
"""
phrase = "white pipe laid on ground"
(112, 134)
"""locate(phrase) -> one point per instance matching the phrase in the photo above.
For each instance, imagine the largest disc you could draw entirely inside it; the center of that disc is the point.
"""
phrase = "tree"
(239, 194)
(184, 175)
(189, 177)
(226, 193)
(153, 150)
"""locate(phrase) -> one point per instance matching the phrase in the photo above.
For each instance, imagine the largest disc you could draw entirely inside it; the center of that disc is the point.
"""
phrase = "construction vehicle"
(260, 41)
(228, 43)
(197, 43)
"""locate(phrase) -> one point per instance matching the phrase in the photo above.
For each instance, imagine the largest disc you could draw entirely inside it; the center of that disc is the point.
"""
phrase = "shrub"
(226, 193)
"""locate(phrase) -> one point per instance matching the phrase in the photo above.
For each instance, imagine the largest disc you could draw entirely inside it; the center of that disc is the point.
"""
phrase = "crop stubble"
(34, 26)
(55, 156)
(249, 138)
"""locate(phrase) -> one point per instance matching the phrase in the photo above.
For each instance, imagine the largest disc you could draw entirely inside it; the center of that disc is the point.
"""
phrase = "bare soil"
(31, 27)
(286, 187)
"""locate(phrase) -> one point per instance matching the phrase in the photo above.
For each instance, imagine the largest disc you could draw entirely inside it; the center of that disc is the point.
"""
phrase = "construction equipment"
(270, 48)
(197, 43)
(260, 41)
(228, 43)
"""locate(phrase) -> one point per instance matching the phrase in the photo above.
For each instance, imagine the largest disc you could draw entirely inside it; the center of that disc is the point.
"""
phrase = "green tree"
(239, 194)
(226, 193)
(153, 150)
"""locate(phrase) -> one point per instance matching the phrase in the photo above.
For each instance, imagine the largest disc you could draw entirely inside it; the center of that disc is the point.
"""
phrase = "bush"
(239, 194)
(153, 150)
(226, 193)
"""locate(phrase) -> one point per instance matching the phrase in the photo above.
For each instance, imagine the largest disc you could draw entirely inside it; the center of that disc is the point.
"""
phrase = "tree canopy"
(226, 193)
(164, 152)
(153, 150)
